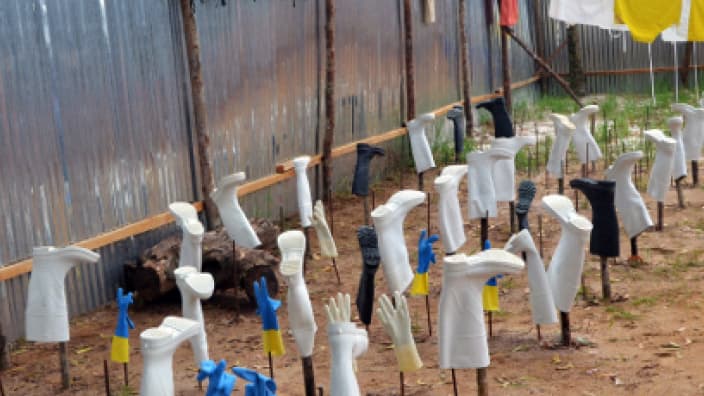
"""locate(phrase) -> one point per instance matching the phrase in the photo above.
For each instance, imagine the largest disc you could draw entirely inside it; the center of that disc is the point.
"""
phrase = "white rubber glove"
(305, 203)
(397, 324)
(347, 342)
(564, 129)
(325, 239)
(233, 217)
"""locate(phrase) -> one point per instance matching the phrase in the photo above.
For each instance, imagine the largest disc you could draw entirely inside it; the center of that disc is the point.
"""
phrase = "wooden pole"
(574, 50)
(661, 208)
(565, 329)
(634, 246)
(695, 173)
(63, 361)
(200, 114)
(126, 374)
(512, 216)
(308, 375)
(680, 193)
(271, 367)
(540, 234)
(365, 203)
(454, 382)
(106, 378)
(403, 391)
(605, 282)
(427, 311)
(506, 68)
(329, 100)
(686, 61)
(466, 74)
(544, 65)
(539, 38)
(410, 79)
(482, 383)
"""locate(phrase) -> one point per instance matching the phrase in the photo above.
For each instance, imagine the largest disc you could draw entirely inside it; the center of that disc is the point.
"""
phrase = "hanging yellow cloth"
(647, 18)
(696, 21)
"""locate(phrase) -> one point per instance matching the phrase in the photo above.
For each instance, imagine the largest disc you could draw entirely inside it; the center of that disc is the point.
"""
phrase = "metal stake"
(403, 391)
(661, 208)
(106, 378)
(124, 371)
(482, 383)
(308, 375)
(512, 216)
(454, 382)
(605, 283)
(271, 367)
(63, 359)
(565, 328)
(427, 311)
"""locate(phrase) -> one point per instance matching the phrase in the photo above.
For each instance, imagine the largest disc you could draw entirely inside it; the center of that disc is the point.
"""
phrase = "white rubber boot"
(422, 155)
(583, 140)
(541, 301)
(679, 168)
(450, 219)
(46, 315)
(565, 270)
(192, 230)
(693, 135)
(629, 203)
(305, 203)
(195, 286)
(158, 345)
(388, 221)
(233, 218)
(564, 130)
(504, 171)
(461, 328)
(300, 312)
(480, 181)
(325, 239)
(665, 148)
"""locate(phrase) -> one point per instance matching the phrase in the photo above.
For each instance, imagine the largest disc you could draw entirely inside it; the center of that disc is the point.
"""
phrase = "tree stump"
(152, 275)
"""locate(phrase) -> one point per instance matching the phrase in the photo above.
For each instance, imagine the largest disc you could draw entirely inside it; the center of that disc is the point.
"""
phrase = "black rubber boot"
(365, 153)
(503, 127)
(526, 193)
(456, 115)
(370, 255)
(600, 193)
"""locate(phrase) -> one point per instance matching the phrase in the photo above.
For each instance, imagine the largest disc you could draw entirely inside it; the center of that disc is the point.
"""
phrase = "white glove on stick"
(327, 243)
(397, 323)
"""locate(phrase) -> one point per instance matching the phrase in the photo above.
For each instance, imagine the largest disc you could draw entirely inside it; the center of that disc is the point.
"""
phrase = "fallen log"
(152, 275)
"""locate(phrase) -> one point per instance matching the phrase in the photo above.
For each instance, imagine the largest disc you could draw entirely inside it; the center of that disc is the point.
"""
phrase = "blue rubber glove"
(425, 251)
(266, 306)
(260, 385)
(220, 382)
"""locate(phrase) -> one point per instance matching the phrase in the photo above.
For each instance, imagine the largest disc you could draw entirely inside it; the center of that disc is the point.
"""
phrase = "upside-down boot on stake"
(541, 300)
(584, 143)
(365, 154)
(504, 172)
(233, 218)
(503, 127)
(565, 270)
(665, 147)
(305, 204)
(629, 203)
(195, 286)
(679, 168)
(480, 183)
(191, 242)
(450, 219)
(347, 343)
(459, 122)
(693, 135)
(300, 312)
(325, 239)
(388, 222)
(604, 239)
(158, 345)
(462, 332)
(422, 155)
(369, 247)
(564, 130)
(46, 315)
(526, 193)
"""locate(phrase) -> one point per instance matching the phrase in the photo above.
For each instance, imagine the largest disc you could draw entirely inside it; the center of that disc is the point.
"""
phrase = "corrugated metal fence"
(96, 119)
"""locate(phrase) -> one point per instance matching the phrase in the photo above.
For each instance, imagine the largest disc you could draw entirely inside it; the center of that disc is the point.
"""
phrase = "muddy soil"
(650, 343)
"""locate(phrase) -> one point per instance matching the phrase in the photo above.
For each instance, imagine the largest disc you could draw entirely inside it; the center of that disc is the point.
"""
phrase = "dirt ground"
(650, 343)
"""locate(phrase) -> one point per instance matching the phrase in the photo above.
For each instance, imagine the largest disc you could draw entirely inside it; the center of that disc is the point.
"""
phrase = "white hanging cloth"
(586, 12)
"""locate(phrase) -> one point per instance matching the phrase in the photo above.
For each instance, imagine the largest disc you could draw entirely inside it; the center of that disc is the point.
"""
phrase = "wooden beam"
(285, 171)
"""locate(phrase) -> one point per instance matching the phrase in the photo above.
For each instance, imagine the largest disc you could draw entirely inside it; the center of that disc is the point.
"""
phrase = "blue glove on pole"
(426, 256)
(260, 385)
(220, 382)
(120, 348)
(266, 309)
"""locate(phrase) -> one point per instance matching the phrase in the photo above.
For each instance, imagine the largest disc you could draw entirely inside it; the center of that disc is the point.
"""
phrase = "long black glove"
(526, 193)
(365, 153)
(456, 115)
(600, 193)
(370, 256)
(503, 127)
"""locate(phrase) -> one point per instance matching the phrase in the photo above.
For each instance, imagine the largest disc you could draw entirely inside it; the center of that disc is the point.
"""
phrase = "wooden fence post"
(329, 100)
(410, 79)
(466, 74)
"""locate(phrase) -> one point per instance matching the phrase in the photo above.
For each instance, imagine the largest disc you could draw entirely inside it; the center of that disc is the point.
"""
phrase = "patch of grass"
(645, 301)
(618, 313)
